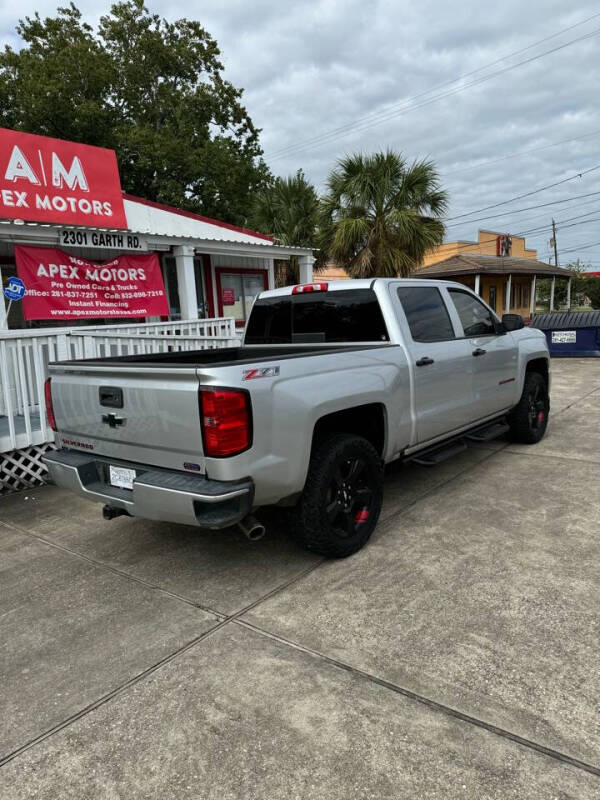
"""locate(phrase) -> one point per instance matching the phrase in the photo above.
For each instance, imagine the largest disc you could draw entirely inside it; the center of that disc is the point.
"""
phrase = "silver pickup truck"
(331, 382)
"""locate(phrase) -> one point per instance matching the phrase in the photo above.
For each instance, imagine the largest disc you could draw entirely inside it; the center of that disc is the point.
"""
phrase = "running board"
(430, 458)
(489, 432)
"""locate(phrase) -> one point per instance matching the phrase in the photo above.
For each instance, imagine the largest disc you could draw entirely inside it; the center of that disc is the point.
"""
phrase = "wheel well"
(539, 365)
(367, 421)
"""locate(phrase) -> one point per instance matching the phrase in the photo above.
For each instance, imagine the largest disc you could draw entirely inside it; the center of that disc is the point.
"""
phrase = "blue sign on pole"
(15, 290)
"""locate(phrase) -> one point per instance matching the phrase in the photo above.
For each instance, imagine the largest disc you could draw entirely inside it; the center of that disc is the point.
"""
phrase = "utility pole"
(554, 243)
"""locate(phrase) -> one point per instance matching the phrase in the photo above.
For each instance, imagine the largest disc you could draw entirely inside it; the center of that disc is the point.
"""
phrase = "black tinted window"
(426, 313)
(348, 315)
(474, 316)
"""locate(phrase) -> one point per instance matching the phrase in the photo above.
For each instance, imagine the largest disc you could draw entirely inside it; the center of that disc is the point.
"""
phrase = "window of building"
(426, 314)
(526, 296)
(517, 295)
(476, 319)
(493, 298)
(172, 287)
(238, 291)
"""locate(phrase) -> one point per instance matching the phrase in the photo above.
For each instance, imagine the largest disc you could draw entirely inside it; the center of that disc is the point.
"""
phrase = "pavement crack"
(115, 570)
(433, 705)
(575, 402)
(140, 676)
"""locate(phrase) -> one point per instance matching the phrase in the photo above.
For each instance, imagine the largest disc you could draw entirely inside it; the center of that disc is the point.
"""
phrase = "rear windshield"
(347, 315)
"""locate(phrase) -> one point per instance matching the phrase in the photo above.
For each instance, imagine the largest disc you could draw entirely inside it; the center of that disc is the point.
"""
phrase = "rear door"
(494, 356)
(441, 361)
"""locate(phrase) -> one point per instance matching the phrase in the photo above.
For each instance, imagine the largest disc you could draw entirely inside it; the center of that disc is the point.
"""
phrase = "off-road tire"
(529, 418)
(348, 532)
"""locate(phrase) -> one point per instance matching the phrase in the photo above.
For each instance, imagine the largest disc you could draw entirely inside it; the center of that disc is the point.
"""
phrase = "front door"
(441, 362)
(494, 356)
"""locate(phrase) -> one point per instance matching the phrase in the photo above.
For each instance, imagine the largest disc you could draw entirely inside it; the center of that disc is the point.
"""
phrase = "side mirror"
(513, 322)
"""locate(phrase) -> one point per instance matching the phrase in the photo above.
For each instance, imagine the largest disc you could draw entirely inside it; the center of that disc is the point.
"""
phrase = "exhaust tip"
(110, 512)
(252, 529)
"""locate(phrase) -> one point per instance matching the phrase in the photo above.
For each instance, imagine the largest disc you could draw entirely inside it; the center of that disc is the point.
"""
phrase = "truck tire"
(341, 502)
(529, 418)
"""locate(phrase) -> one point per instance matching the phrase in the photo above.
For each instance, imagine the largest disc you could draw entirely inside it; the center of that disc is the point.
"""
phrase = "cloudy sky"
(434, 80)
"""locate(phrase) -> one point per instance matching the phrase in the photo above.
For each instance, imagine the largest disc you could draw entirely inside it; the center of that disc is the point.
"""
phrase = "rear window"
(426, 313)
(347, 315)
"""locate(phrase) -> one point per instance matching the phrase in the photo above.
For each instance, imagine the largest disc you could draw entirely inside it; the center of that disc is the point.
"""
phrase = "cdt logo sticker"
(260, 372)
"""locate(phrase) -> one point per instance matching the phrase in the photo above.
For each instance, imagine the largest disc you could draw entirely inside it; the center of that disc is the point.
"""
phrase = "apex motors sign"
(66, 183)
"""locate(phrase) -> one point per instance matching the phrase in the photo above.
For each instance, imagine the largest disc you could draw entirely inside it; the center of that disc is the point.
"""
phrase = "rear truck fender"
(287, 408)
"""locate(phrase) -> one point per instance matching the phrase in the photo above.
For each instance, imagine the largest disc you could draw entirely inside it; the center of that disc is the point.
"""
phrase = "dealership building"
(50, 191)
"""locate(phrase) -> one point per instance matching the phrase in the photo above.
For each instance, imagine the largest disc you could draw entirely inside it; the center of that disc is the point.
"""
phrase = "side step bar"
(429, 458)
(489, 432)
(438, 453)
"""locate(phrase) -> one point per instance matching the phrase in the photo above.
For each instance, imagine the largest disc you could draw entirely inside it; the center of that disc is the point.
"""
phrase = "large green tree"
(151, 89)
(380, 215)
(287, 209)
(590, 287)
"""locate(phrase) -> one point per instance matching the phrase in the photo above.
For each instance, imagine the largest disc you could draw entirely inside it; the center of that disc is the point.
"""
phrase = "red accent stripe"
(507, 380)
(193, 215)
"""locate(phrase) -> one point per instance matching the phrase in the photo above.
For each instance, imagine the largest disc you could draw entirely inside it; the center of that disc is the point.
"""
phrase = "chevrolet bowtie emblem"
(112, 420)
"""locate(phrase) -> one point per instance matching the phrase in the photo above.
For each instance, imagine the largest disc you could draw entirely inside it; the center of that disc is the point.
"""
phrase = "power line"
(364, 123)
(376, 118)
(583, 246)
(545, 216)
(526, 194)
(527, 208)
(519, 154)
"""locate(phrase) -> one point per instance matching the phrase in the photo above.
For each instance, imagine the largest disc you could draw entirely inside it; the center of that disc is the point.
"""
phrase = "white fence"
(24, 357)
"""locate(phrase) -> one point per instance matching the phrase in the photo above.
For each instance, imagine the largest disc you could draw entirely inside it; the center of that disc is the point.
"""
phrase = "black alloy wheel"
(350, 496)
(529, 418)
(341, 502)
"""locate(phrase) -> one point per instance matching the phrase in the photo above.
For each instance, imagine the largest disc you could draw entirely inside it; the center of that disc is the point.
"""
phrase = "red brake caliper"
(361, 516)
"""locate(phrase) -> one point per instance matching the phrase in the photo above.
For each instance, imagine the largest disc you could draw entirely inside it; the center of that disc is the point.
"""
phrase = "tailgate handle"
(111, 396)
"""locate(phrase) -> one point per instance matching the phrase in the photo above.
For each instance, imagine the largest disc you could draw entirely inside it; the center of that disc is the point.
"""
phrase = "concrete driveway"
(457, 656)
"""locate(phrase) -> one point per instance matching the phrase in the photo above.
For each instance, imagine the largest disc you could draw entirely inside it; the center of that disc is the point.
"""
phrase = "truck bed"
(219, 357)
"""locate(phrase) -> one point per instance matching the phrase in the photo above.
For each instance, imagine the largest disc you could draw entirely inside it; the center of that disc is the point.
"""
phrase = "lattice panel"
(22, 468)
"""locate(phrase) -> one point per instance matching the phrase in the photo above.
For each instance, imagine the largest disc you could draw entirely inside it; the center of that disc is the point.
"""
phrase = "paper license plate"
(121, 477)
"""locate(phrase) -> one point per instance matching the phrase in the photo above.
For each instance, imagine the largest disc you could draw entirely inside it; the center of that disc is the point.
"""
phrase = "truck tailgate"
(148, 415)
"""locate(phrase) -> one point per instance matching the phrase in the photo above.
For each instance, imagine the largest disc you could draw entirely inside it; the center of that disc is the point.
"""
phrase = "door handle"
(424, 362)
(479, 352)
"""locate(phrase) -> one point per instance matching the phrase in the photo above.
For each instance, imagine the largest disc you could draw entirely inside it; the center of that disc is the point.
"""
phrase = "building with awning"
(67, 196)
(506, 284)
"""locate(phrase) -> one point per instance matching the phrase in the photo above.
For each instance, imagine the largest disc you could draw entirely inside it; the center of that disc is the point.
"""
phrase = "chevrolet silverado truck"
(332, 382)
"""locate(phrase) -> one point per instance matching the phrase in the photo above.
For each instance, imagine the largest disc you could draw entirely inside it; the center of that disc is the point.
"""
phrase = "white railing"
(24, 357)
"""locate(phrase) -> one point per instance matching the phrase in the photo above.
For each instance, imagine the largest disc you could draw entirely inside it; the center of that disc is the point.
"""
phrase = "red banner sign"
(51, 180)
(63, 287)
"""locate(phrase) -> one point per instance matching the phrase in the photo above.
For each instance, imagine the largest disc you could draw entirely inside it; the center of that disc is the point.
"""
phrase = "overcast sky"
(312, 67)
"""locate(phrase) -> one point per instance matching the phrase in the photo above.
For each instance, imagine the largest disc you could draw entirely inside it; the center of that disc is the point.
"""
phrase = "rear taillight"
(226, 418)
(303, 288)
(49, 408)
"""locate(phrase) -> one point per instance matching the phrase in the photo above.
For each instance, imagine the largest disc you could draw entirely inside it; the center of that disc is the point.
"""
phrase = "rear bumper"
(157, 494)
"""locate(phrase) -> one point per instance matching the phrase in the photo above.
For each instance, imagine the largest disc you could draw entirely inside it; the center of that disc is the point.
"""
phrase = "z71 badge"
(260, 372)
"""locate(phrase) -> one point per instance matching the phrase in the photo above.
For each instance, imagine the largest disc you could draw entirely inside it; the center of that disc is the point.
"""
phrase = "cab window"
(476, 319)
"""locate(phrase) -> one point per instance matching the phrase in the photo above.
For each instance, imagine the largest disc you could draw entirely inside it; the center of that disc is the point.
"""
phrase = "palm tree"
(287, 209)
(379, 216)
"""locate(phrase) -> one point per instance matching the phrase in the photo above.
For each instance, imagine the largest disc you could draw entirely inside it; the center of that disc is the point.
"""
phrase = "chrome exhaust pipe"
(252, 528)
